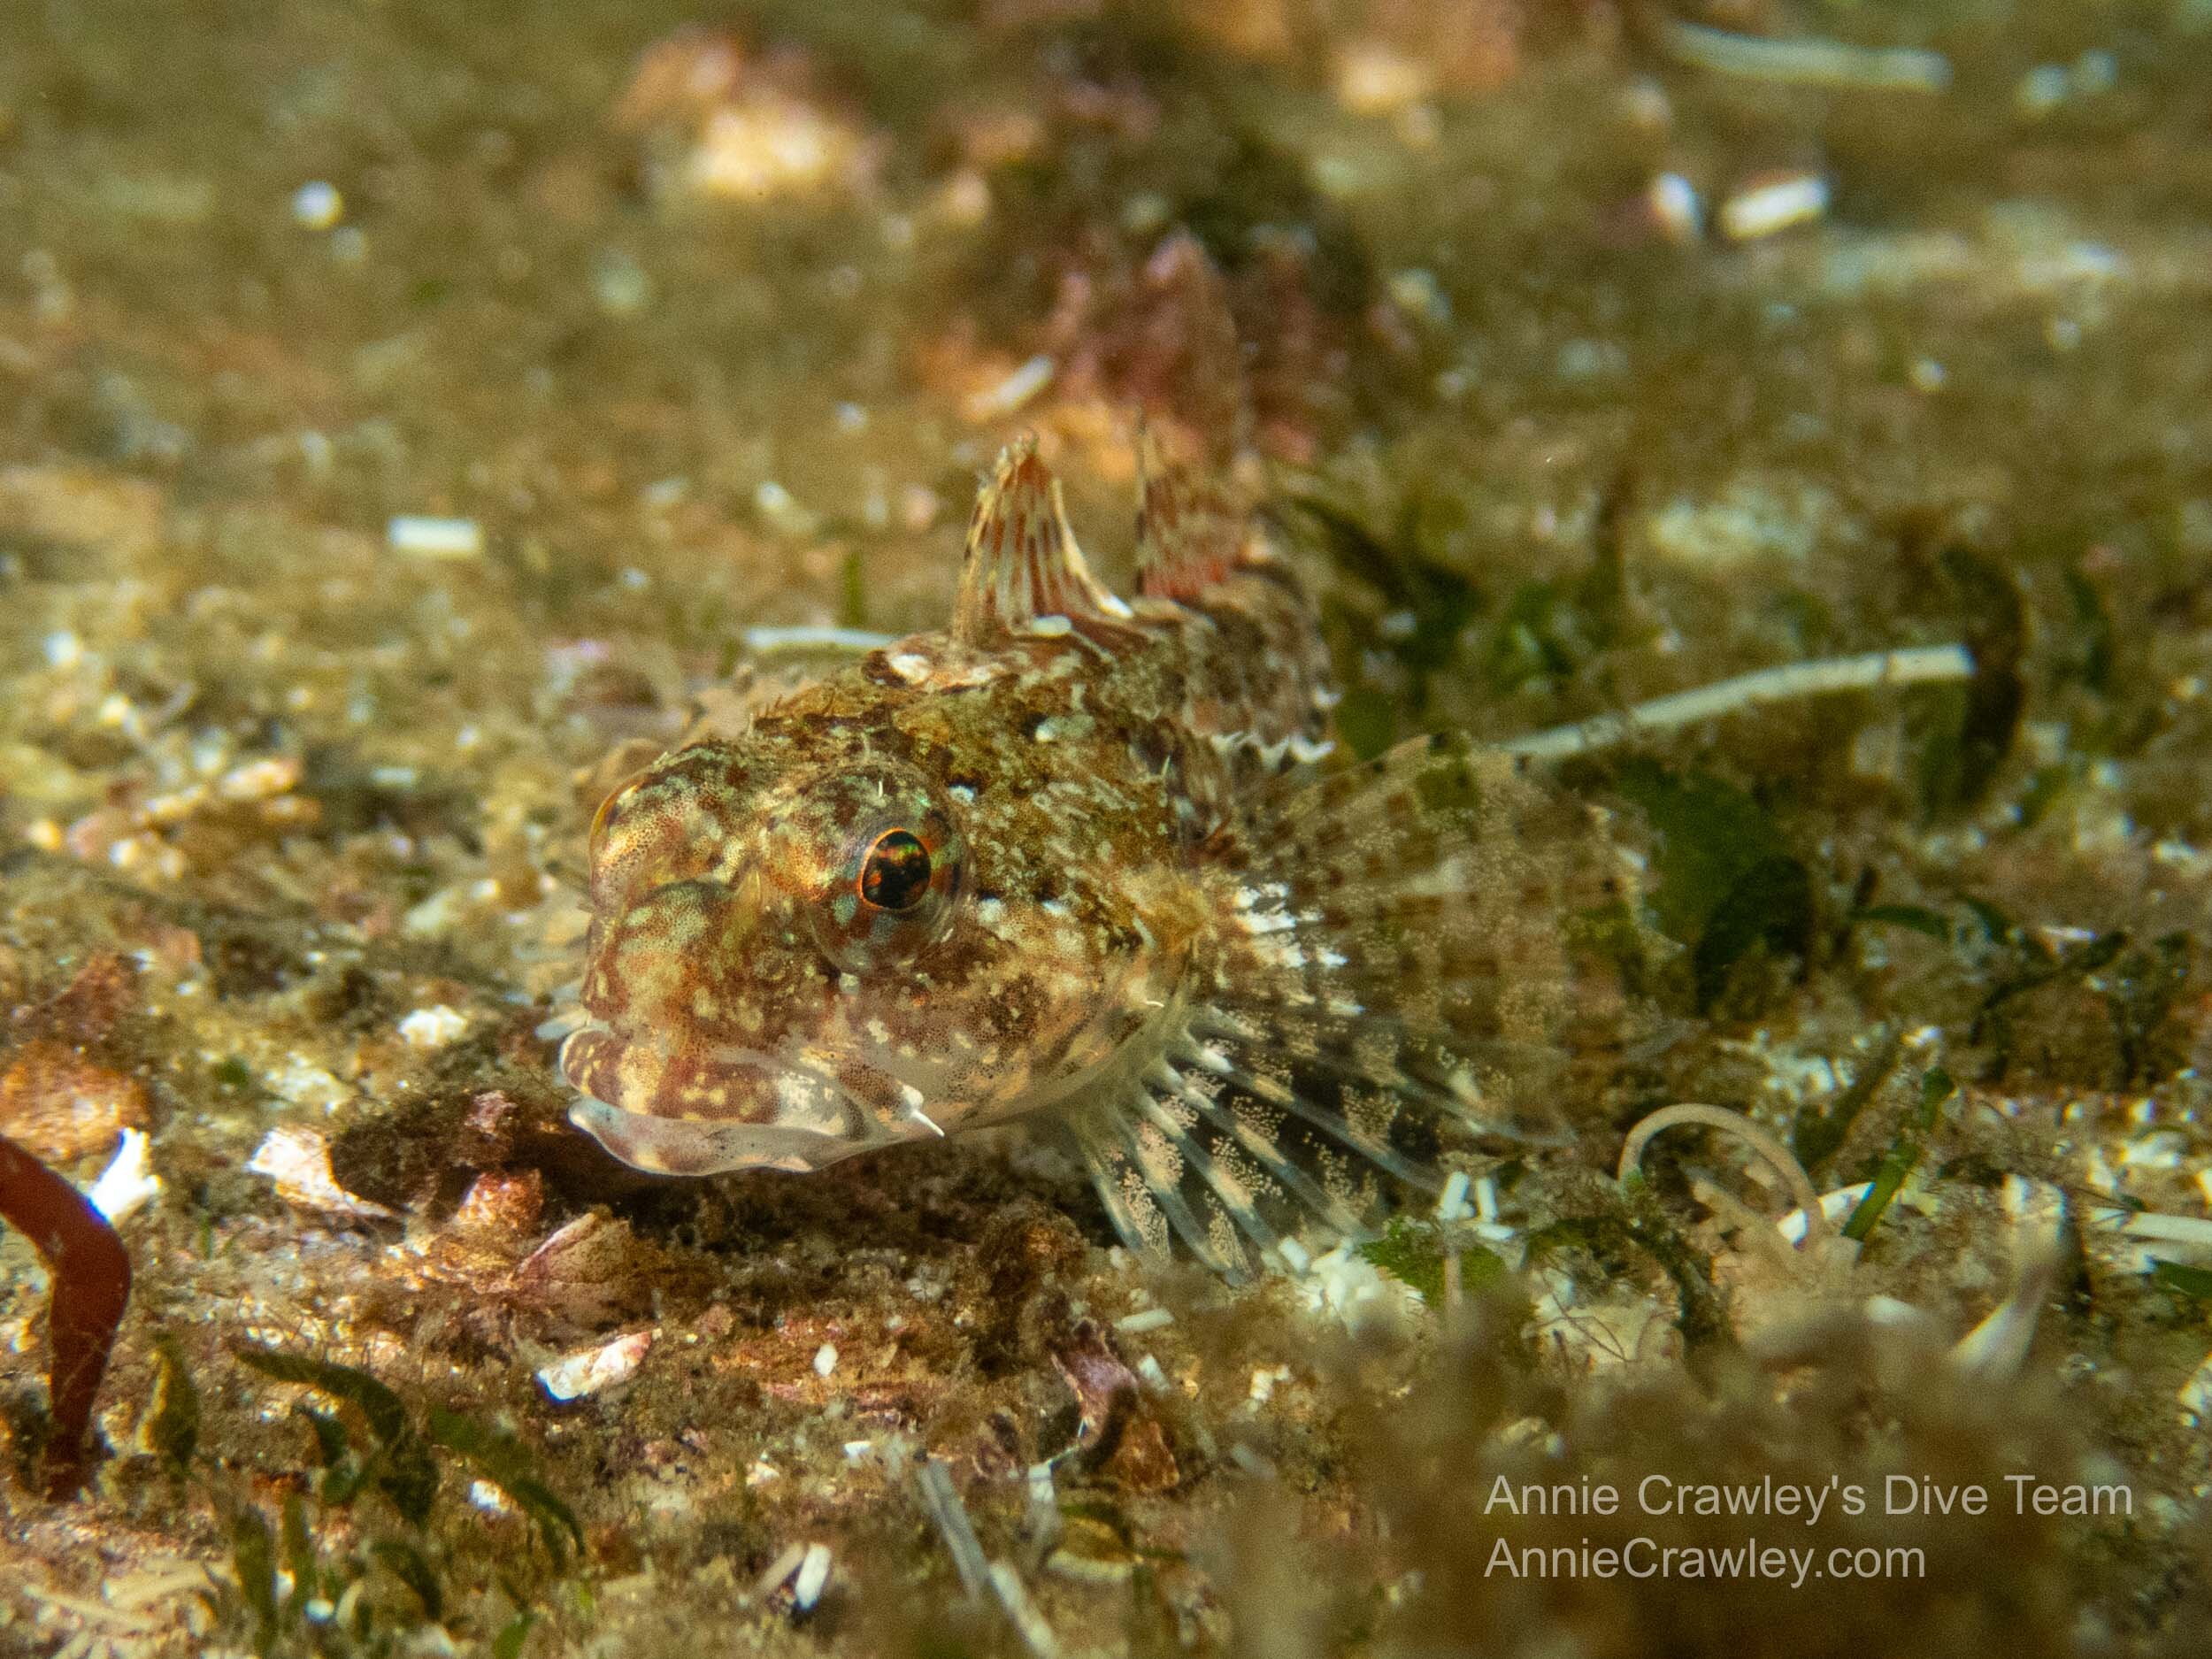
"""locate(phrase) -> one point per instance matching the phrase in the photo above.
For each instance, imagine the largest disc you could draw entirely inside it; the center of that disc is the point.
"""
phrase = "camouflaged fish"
(1075, 860)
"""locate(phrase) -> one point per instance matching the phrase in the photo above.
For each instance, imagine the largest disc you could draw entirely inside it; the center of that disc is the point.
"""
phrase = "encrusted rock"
(62, 1107)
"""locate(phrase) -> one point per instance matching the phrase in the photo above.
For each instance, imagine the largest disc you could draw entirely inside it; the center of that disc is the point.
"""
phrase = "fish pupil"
(897, 872)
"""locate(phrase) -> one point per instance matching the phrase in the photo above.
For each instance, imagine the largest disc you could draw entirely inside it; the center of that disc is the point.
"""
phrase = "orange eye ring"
(599, 819)
(896, 889)
(897, 872)
(608, 805)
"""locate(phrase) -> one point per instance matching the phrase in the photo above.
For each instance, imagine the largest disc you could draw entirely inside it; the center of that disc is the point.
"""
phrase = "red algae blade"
(92, 1282)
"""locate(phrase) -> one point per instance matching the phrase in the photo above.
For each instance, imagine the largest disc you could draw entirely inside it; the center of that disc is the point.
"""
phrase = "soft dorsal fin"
(1022, 561)
(1191, 532)
(1187, 364)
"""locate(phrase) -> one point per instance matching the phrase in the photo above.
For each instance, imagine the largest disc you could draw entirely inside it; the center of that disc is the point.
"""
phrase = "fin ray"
(1394, 970)
(1191, 534)
(1144, 1234)
(1298, 1096)
(1267, 1152)
(1221, 1186)
(1140, 1168)
(1022, 561)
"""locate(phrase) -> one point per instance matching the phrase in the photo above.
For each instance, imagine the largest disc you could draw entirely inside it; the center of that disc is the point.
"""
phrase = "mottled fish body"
(1078, 860)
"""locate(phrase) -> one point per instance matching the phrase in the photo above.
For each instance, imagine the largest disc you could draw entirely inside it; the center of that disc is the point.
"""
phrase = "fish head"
(801, 949)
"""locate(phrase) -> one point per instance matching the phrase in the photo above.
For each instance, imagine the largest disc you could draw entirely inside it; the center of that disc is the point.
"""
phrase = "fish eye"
(896, 874)
(895, 889)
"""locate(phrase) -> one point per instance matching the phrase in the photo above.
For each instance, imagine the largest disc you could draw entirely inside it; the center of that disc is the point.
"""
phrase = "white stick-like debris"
(1805, 61)
(2196, 1394)
(778, 1570)
(1835, 1206)
(812, 1577)
(1028, 1622)
(1772, 204)
(1997, 1346)
(1002, 400)
(421, 536)
(1921, 665)
(1777, 1157)
(950, 1516)
(1451, 1204)
(764, 641)
(2193, 1231)
(1143, 1320)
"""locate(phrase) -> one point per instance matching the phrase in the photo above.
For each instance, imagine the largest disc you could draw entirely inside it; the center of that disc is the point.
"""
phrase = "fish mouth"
(683, 1146)
(705, 1110)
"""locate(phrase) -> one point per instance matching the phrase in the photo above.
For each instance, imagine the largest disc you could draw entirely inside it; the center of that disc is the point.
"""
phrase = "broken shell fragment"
(590, 1270)
(298, 1161)
(128, 1183)
(589, 1370)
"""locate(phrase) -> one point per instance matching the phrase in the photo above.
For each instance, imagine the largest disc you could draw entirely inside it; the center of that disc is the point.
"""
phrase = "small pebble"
(620, 284)
(1145, 1319)
(487, 1497)
(782, 510)
(1252, 1462)
(1416, 292)
(1374, 78)
(432, 1027)
(317, 205)
(260, 779)
(2042, 90)
(1772, 203)
(422, 537)
(2094, 72)
(1675, 208)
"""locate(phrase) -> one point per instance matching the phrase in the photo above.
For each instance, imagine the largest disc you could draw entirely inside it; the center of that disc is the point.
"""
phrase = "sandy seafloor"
(709, 331)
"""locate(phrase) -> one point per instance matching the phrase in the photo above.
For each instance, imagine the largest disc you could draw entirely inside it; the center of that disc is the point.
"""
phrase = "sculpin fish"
(1082, 861)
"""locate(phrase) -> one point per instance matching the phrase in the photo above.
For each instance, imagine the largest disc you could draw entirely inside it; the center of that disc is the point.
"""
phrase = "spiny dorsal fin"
(1187, 365)
(1021, 560)
(1191, 532)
